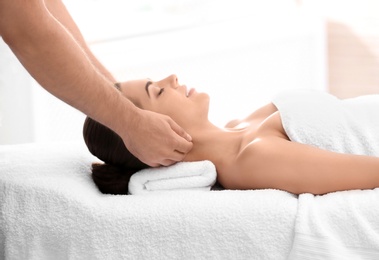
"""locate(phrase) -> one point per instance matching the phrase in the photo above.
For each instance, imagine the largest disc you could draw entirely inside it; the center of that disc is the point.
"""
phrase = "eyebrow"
(147, 87)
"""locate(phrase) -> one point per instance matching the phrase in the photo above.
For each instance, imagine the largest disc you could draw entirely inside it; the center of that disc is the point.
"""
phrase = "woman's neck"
(214, 144)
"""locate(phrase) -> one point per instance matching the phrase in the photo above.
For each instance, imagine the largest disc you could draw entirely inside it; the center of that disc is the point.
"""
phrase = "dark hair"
(112, 176)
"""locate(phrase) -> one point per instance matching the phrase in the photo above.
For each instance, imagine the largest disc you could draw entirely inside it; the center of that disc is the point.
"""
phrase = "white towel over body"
(199, 175)
(340, 225)
(324, 121)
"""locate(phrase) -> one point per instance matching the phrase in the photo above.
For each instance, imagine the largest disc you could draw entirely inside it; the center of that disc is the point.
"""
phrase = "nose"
(172, 81)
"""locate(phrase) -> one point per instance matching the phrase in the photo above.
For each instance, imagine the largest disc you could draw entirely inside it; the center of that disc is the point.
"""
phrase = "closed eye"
(160, 91)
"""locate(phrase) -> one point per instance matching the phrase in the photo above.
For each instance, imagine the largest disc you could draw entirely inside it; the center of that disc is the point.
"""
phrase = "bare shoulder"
(251, 164)
(265, 163)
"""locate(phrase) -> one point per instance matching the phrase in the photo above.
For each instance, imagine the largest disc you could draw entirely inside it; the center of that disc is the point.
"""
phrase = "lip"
(191, 91)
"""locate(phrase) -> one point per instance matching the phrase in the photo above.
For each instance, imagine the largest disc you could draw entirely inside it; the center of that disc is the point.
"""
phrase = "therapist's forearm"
(55, 59)
(59, 11)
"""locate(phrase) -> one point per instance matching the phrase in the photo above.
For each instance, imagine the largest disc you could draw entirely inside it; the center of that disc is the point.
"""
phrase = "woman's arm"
(280, 164)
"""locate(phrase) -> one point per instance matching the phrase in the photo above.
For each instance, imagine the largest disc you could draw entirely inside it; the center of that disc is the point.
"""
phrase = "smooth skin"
(46, 40)
(253, 153)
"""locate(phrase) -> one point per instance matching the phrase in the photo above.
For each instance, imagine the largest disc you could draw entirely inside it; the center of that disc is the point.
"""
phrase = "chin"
(203, 97)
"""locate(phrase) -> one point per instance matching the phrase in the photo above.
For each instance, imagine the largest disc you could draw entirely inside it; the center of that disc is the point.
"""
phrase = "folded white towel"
(180, 176)
(322, 120)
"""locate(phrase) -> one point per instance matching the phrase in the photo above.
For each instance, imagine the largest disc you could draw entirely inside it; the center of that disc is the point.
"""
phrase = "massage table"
(51, 209)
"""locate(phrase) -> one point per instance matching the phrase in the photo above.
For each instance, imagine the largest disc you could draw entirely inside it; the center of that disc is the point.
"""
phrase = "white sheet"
(51, 209)
(340, 225)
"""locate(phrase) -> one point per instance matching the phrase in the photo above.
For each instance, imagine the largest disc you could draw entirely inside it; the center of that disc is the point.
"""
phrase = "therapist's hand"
(156, 140)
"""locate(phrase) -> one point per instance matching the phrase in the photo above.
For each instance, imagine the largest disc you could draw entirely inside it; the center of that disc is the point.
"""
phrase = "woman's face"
(167, 97)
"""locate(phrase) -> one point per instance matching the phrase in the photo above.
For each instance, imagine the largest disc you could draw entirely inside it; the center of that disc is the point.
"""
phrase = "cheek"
(164, 107)
(178, 107)
(174, 108)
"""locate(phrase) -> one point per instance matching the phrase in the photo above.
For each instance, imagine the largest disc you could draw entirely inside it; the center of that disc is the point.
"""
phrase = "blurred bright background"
(241, 52)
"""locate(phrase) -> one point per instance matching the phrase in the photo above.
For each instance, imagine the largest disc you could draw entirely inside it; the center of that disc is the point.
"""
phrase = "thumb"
(180, 131)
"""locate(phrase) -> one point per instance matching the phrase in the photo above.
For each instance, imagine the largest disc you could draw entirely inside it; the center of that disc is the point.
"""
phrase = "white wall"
(239, 63)
(16, 105)
(240, 60)
(353, 45)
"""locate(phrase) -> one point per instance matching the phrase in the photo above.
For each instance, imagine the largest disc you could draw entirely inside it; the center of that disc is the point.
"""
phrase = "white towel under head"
(199, 175)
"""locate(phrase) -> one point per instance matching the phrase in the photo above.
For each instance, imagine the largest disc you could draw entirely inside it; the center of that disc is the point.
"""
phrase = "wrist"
(114, 110)
(127, 117)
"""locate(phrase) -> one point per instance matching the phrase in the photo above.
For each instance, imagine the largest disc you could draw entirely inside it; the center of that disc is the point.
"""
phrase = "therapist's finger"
(179, 130)
(184, 140)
